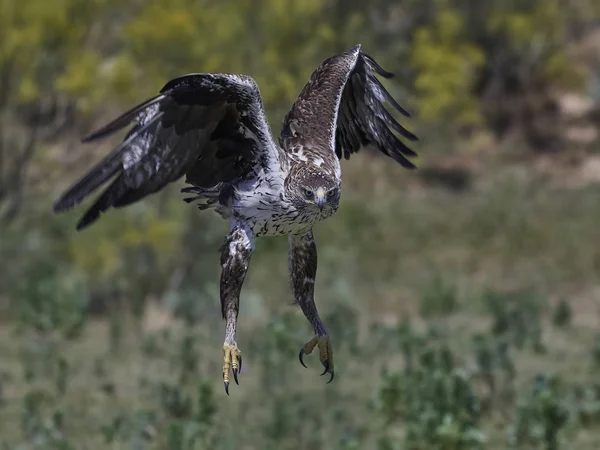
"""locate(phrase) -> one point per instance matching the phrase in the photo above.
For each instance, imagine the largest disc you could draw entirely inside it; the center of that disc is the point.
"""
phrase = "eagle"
(212, 128)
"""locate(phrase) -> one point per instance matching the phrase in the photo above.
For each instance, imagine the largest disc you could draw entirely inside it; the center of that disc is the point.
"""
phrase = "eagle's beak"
(320, 198)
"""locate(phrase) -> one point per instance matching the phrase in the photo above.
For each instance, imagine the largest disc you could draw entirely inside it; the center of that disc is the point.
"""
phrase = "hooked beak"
(320, 198)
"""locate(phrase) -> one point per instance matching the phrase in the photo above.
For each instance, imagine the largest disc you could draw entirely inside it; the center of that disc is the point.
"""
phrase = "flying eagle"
(212, 128)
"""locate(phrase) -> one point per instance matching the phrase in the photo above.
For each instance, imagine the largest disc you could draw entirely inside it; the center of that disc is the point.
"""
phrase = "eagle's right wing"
(211, 127)
(341, 110)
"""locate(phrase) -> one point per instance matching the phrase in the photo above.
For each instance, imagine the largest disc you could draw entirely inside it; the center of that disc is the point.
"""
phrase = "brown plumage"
(212, 129)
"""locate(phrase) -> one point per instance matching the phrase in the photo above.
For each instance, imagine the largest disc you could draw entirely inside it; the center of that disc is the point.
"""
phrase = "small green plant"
(595, 353)
(5, 379)
(541, 415)
(435, 401)
(174, 402)
(187, 358)
(52, 304)
(496, 369)
(562, 314)
(115, 331)
(587, 405)
(439, 296)
(206, 404)
(42, 426)
(62, 375)
(517, 317)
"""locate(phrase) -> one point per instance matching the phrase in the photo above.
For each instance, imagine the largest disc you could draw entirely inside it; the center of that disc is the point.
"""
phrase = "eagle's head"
(313, 190)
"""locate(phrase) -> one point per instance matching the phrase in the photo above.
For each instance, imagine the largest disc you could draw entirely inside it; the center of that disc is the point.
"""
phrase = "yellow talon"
(325, 353)
(232, 359)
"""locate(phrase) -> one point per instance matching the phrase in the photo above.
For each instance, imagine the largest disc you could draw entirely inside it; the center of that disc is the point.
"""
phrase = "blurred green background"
(463, 299)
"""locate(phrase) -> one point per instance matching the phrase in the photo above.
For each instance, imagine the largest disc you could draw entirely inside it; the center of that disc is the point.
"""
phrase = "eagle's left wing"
(341, 109)
(212, 128)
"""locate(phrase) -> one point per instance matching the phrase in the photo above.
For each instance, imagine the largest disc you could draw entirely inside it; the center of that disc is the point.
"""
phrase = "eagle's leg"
(235, 258)
(303, 270)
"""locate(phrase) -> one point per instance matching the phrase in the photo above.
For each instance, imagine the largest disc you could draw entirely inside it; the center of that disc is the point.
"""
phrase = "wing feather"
(123, 120)
(376, 67)
(382, 95)
(341, 110)
(210, 127)
(102, 171)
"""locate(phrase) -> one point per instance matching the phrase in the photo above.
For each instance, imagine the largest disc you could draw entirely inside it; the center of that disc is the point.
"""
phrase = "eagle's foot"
(325, 353)
(232, 360)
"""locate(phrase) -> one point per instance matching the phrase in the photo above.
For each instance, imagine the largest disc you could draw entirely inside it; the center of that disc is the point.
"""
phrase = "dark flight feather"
(376, 67)
(341, 110)
(209, 127)
(121, 121)
(102, 171)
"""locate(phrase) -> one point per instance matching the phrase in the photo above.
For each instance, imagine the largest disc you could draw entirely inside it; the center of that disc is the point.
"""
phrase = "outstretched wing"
(211, 127)
(341, 109)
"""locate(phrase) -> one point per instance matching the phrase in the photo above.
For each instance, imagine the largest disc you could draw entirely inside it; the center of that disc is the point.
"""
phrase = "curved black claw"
(300, 356)
(332, 373)
(325, 351)
(237, 370)
(326, 365)
(232, 363)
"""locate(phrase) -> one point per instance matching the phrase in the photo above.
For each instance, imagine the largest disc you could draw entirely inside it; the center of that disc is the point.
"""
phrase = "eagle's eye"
(332, 193)
(308, 194)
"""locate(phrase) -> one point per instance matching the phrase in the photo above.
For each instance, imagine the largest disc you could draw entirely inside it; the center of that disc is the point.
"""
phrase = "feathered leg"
(235, 258)
(303, 270)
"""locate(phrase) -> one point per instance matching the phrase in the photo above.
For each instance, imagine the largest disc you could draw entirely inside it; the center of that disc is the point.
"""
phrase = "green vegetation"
(461, 299)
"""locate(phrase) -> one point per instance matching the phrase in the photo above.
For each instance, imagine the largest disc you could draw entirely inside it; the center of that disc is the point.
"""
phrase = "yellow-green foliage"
(445, 62)
(230, 36)
(102, 50)
(46, 43)
(102, 252)
(538, 30)
(106, 50)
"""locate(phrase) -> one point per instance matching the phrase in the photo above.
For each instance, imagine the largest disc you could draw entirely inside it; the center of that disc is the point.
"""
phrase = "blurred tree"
(47, 51)
(446, 64)
(527, 63)
(255, 37)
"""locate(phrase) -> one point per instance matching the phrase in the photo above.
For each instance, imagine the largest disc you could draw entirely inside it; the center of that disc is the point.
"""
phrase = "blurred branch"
(21, 135)
(11, 183)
